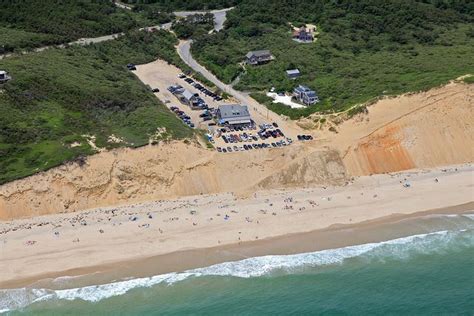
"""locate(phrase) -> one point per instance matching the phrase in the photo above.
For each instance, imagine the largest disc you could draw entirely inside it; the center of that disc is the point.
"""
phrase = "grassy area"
(469, 80)
(29, 23)
(59, 95)
(12, 39)
(360, 54)
(188, 5)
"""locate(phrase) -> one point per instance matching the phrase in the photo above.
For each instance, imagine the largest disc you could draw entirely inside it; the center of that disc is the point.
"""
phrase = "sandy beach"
(106, 238)
(415, 131)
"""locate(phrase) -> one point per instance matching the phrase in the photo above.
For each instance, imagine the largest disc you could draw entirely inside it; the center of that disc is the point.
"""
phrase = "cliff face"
(433, 128)
(165, 171)
(421, 130)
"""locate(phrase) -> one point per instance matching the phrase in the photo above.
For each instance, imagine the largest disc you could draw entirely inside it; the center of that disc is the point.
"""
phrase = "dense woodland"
(58, 95)
(363, 49)
(176, 5)
(193, 25)
(32, 23)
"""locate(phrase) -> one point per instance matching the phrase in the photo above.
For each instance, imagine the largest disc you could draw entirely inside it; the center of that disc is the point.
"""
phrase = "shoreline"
(307, 220)
(183, 260)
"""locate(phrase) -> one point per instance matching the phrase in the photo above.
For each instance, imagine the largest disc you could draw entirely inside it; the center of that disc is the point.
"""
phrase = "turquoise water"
(429, 273)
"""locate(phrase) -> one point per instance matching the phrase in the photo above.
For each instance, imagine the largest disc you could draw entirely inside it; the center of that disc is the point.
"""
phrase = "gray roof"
(188, 95)
(293, 72)
(258, 53)
(232, 112)
(302, 88)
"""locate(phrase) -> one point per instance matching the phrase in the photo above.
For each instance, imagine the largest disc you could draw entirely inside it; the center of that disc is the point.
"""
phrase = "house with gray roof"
(293, 73)
(233, 114)
(189, 98)
(303, 35)
(305, 95)
(259, 57)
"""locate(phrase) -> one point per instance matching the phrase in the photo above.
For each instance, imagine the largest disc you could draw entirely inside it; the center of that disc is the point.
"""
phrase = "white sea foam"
(251, 267)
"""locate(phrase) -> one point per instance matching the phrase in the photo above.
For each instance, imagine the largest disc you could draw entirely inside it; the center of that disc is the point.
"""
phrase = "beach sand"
(413, 131)
(205, 229)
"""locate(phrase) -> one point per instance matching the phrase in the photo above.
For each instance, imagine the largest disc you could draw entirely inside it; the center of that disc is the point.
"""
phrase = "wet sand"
(174, 235)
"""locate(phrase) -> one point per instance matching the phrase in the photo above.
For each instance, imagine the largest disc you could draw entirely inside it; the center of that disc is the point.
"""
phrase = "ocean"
(429, 271)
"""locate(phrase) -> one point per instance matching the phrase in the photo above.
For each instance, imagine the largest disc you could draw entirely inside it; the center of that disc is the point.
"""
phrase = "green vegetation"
(30, 23)
(469, 79)
(154, 12)
(189, 5)
(59, 95)
(364, 50)
(11, 39)
(193, 25)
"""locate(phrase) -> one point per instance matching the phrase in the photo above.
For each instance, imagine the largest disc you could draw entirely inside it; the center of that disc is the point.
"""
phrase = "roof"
(3, 72)
(233, 112)
(302, 88)
(188, 95)
(258, 53)
(305, 90)
(293, 72)
(311, 94)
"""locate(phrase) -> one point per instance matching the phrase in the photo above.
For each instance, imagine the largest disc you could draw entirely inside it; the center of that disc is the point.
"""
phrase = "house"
(293, 73)
(190, 99)
(258, 57)
(305, 95)
(303, 35)
(4, 77)
(233, 114)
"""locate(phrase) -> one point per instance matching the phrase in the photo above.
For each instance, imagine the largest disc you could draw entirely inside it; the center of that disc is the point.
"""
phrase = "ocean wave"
(399, 248)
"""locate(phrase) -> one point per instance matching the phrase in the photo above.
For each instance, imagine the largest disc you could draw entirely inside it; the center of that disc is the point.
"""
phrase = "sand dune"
(422, 130)
(164, 171)
(428, 129)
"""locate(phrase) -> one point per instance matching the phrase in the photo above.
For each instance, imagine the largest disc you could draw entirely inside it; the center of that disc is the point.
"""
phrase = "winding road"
(219, 19)
(257, 110)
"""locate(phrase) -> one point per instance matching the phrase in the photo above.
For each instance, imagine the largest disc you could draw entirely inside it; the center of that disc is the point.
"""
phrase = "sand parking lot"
(159, 74)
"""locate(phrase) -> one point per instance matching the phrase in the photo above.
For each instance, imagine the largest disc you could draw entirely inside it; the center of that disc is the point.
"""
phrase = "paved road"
(255, 108)
(219, 16)
(219, 19)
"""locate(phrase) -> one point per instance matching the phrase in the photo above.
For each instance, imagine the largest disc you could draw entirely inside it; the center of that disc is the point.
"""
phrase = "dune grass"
(58, 96)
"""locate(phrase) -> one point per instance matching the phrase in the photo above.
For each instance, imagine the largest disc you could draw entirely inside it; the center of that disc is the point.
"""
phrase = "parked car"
(131, 67)
(155, 90)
